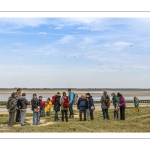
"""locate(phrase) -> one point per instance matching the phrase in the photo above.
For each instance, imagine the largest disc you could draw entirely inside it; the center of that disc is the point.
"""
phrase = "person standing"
(17, 97)
(91, 106)
(136, 104)
(71, 100)
(57, 105)
(36, 110)
(122, 105)
(104, 106)
(115, 103)
(23, 107)
(82, 106)
(11, 107)
(48, 107)
(64, 106)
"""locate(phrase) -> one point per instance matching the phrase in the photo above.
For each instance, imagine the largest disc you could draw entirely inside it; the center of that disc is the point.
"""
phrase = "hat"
(58, 94)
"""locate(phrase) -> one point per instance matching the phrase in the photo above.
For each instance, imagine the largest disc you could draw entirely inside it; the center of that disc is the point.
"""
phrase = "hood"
(22, 98)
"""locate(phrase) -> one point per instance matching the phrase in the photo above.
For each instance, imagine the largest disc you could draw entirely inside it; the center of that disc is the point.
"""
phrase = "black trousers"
(91, 115)
(122, 113)
(80, 113)
(17, 115)
(64, 113)
(105, 113)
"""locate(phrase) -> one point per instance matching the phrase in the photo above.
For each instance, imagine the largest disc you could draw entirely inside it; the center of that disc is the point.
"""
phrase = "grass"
(135, 122)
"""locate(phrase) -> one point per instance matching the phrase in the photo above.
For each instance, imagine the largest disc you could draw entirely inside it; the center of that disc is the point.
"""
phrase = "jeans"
(80, 113)
(17, 115)
(88, 113)
(71, 109)
(64, 112)
(23, 115)
(115, 114)
(122, 113)
(105, 113)
(11, 118)
(42, 113)
(36, 118)
(56, 115)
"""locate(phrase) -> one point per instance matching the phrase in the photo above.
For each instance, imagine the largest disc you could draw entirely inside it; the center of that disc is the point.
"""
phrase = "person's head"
(83, 96)
(119, 95)
(19, 90)
(48, 99)
(58, 94)
(88, 95)
(23, 94)
(105, 92)
(64, 93)
(69, 90)
(34, 95)
(13, 95)
(40, 97)
(112, 94)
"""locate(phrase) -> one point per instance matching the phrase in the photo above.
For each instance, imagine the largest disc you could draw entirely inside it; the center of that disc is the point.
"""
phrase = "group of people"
(17, 104)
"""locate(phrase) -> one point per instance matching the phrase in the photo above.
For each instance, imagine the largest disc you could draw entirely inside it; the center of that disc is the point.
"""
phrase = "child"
(48, 107)
(136, 104)
(42, 105)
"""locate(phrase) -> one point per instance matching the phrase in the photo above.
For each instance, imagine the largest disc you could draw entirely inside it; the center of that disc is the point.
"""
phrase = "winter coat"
(35, 103)
(90, 102)
(22, 103)
(122, 102)
(48, 106)
(136, 103)
(62, 101)
(80, 102)
(103, 105)
(115, 100)
(42, 105)
(71, 97)
(11, 104)
(57, 103)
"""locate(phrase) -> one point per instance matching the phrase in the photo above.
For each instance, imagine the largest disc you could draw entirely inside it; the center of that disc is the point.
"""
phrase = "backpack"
(19, 104)
(107, 101)
(66, 102)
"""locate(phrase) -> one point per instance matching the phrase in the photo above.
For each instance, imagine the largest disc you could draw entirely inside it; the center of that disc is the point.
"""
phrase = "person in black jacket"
(91, 106)
(23, 107)
(82, 106)
(57, 105)
(36, 110)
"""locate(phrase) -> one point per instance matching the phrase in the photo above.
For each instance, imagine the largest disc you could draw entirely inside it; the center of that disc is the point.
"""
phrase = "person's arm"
(13, 105)
(26, 102)
(101, 100)
(78, 103)
(86, 104)
(7, 106)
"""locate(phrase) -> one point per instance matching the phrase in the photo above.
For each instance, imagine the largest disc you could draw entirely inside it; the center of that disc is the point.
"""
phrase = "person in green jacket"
(136, 104)
(115, 103)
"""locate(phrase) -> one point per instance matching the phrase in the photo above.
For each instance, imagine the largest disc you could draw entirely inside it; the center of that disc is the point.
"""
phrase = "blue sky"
(75, 52)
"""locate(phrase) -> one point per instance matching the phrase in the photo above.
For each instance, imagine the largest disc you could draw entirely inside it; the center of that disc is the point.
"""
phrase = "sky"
(75, 52)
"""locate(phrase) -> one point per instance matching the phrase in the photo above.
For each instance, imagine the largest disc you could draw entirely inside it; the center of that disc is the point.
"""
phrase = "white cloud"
(66, 39)
(43, 33)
